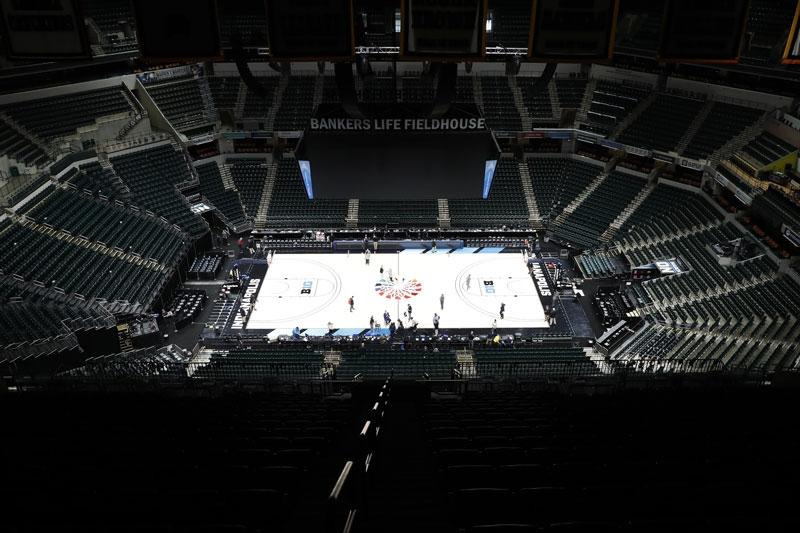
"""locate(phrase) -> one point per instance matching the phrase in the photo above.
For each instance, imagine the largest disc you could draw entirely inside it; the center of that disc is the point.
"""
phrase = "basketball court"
(310, 290)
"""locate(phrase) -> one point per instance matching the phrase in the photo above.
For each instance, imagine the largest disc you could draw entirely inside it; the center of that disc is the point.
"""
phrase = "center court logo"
(398, 290)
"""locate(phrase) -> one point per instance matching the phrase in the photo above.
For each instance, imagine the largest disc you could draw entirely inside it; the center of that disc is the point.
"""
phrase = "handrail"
(353, 483)
(342, 495)
(121, 369)
(336, 492)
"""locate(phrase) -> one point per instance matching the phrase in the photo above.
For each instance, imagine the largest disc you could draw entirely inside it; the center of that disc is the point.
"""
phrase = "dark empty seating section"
(75, 269)
(519, 362)
(734, 179)
(181, 102)
(767, 148)
(533, 460)
(724, 122)
(290, 207)
(249, 176)
(465, 89)
(570, 92)
(408, 212)
(100, 221)
(584, 226)
(663, 123)
(226, 200)
(241, 21)
(234, 463)
(256, 105)
(257, 364)
(557, 181)
(26, 190)
(28, 321)
(774, 301)
(375, 363)
(611, 102)
(330, 92)
(511, 22)
(151, 175)
(116, 22)
(16, 146)
(96, 179)
(659, 206)
(537, 99)
(775, 209)
(705, 272)
(62, 115)
(505, 204)
(379, 89)
(224, 91)
(297, 104)
(417, 88)
(499, 107)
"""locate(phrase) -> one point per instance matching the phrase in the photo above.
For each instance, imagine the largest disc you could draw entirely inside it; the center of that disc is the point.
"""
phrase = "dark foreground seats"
(159, 463)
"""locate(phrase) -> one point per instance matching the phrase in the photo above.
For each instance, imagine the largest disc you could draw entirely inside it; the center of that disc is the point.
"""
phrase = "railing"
(148, 368)
(342, 502)
(347, 498)
(533, 368)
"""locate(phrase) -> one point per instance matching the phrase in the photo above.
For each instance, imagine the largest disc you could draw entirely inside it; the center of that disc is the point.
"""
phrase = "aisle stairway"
(533, 209)
(404, 496)
(626, 213)
(580, 198)
(443, 219)
(266, 195)
(352, 213)
(633, 115)
(519, 101)
(694, 126)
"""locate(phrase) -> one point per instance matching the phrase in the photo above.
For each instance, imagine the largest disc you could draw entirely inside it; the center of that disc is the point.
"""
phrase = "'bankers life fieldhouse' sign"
(398, 124)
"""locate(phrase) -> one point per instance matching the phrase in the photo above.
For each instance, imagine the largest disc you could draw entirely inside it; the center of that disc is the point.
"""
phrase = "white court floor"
(309, 290)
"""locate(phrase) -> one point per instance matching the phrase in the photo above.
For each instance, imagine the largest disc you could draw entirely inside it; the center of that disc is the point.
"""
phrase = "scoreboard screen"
(572, 30)
(710, 31)
(178, 29)
(310, 29)
(443, 28)
(44, 30)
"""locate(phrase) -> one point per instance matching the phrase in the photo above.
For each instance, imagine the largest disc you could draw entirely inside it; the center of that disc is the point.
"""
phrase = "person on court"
(409, 311)
(435, 324)
(386, 318)
(441, 301)
(371, 322)
(366, 257)
(351, 303)
(502, 310)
